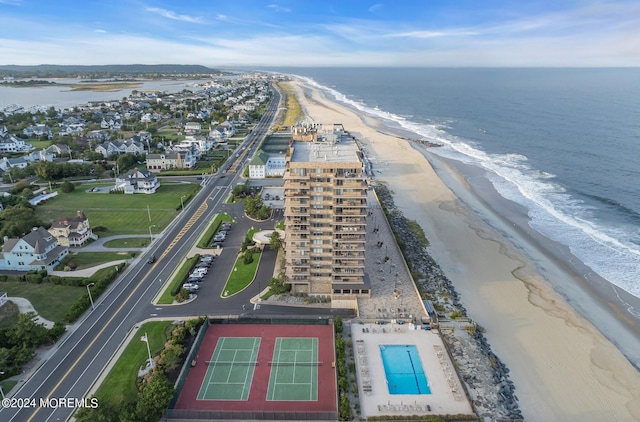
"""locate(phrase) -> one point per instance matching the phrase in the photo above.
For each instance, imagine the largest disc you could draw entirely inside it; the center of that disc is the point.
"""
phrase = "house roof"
(70, 222)
(39, 239)
(260, 159)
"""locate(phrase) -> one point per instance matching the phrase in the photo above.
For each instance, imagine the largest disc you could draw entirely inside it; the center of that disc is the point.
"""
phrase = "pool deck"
(447, 396)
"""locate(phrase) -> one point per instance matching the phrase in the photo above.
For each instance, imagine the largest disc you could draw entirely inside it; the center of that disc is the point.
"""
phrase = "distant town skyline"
(328, 33)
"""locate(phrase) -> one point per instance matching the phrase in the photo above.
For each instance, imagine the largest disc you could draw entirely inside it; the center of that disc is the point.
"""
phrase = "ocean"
(563, 143)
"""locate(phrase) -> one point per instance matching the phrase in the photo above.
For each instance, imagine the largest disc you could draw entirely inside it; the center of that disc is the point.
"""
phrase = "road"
(82, 354)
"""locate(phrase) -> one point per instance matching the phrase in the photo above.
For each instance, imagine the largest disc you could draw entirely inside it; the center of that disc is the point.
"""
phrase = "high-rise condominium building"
(325, 209)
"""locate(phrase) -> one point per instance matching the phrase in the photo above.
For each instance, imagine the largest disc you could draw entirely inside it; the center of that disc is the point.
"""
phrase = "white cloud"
(279, 8)
(376, 8)
(172, 15)
(432, 34)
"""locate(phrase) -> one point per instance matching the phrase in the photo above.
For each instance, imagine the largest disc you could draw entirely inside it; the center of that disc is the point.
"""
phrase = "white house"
(38, 250)
(264, 165)
(10, 143)
(138, 181)
(192, 128)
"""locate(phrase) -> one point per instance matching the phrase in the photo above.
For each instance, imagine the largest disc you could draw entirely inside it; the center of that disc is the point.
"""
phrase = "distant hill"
(115, 70)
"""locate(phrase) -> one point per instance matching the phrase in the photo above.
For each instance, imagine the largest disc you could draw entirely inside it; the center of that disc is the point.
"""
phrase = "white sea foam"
(607, 250)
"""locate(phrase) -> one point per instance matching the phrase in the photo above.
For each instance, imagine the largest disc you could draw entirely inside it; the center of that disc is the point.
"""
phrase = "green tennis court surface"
(230, 369)
(294, 370)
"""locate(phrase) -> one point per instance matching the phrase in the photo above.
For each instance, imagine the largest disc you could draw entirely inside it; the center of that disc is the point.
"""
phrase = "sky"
(310, 33)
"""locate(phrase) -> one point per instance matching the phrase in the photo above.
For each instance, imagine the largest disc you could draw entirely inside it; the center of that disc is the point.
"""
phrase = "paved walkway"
(87, 272)
(98, 245)
(25, 306)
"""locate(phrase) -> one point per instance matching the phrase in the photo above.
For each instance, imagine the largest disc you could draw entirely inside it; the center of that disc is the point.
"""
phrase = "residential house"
(170, 160)
(132, 146)
(38, 250)
(192, 128)
(72, 231)
(266, 165)
(58, 150)
(39, 155)
(11, 143)
(138, 181)
(8, 163)
(38, 130)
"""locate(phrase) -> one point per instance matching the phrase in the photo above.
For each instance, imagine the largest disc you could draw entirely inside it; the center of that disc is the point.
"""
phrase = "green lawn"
(7, 386)
(241, 276)
(91, 259)
(40, 296)
(39, 144)
(121, 381)
(131, 242)
(120, 214)
(180, 276)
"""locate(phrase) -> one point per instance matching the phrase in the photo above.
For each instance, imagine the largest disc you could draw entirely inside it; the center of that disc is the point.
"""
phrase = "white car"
(191, 287)
(201, 271)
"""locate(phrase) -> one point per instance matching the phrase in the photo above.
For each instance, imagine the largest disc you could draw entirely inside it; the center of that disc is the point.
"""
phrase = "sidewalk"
(87, 272)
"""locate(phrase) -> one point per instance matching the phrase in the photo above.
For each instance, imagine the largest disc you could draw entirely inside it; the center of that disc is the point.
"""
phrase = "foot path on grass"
(98, 245)
(25, 306)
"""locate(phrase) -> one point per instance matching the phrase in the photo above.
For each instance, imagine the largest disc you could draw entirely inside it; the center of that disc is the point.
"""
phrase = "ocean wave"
(609, 250)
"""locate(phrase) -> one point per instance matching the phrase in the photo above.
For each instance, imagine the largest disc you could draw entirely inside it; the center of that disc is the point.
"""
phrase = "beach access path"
(562, 366)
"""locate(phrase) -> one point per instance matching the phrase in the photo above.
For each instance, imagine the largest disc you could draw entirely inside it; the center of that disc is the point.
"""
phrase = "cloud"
(376, 8)
(279, 9)
(172, 15)
(100, 31)
(432, 34)
(11, 2)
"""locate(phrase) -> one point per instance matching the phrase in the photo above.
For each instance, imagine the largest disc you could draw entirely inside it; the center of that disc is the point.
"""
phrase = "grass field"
(120, 383)
(40, 296)
(241, 276)
(7, 386)
(131, 242)
(180, 276)
(91, 259)
(120, 214)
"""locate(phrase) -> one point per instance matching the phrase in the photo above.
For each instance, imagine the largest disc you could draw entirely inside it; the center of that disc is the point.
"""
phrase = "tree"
(154, 398)
(18, 220)
(67, 187)
(275, 242)
(28, 332)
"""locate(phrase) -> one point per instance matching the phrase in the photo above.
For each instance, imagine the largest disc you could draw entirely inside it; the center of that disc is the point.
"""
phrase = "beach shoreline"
(561, 364)
(602, 303)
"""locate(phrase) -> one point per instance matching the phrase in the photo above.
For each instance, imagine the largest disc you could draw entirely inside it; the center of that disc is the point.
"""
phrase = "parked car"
(216, 245)
(194, 279)
(203, 265)
(191, 287)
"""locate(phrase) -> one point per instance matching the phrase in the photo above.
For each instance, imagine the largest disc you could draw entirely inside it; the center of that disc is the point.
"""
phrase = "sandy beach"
(563, 368)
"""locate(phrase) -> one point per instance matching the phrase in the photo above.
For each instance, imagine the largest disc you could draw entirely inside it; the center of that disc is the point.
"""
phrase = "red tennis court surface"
(257, 406)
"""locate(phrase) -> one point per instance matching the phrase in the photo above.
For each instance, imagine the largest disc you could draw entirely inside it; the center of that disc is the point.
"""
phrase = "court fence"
(187, 365)
(181, 415)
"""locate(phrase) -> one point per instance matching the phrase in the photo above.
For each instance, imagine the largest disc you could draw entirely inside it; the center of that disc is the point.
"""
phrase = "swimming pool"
(403, 369)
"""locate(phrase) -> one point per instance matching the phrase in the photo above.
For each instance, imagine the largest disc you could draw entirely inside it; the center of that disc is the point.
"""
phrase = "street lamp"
(90, 298)
(150, 235)
(182, 202)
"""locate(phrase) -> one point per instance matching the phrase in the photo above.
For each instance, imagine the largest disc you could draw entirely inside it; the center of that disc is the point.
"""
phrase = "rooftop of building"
(344, 149)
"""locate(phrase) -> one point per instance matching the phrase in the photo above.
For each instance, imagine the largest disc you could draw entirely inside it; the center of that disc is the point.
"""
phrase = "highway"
(81, 355)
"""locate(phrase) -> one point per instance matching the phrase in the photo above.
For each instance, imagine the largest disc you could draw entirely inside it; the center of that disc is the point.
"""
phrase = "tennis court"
(294, 370)
(230, 370)
(278, 378)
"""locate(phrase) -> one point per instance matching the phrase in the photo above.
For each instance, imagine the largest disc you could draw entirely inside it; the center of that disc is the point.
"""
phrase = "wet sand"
(523, 294)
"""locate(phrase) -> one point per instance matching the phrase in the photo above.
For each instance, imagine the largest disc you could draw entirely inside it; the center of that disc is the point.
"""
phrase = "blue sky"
(321, 33)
